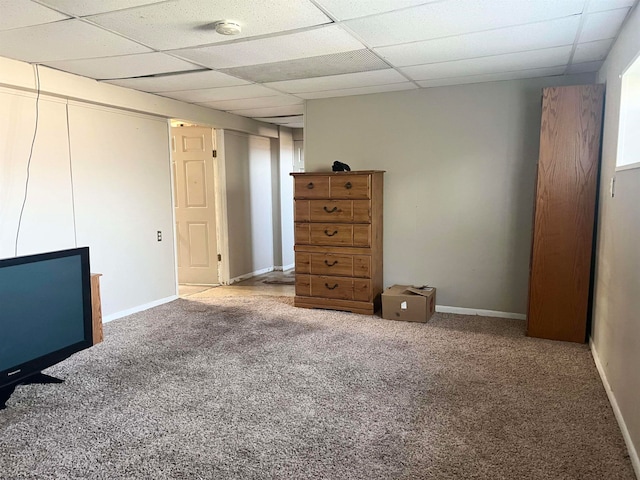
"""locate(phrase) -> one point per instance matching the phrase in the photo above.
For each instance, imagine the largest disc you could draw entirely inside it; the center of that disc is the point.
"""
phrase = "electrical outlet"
(159, 236)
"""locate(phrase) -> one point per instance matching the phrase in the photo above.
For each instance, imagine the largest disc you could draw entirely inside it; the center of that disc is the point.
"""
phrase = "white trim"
(628, 166)
(250, 275)
(633, 454)
(139, 308)
(222, 218)
(484, 313)
(284, 268)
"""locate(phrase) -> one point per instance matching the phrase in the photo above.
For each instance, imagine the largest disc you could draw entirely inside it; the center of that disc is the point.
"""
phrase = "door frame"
(220, 193)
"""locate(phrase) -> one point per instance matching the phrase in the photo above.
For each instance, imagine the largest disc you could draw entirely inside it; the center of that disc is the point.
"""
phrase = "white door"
(193, 168)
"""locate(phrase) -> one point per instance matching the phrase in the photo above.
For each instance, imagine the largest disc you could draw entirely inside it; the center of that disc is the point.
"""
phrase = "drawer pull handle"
(348, 185)
(330, 264)
(330, 288)
(310, 185)
(326, 232)
(330, 211)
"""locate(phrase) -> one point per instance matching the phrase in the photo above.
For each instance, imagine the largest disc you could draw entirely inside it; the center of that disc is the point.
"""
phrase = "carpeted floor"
(253, 388)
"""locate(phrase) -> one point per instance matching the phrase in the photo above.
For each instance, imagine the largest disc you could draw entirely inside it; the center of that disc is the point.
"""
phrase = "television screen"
(45, 311)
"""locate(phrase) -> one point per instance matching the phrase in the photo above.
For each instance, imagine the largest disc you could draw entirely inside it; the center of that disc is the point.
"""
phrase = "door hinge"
(215, 153)
(219, 257)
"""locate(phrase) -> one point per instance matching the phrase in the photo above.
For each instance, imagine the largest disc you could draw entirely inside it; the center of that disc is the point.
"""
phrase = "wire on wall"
(73, 199)
(33, 142)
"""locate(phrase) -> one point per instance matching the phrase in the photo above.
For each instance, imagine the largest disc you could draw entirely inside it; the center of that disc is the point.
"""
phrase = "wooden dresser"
(338, 240)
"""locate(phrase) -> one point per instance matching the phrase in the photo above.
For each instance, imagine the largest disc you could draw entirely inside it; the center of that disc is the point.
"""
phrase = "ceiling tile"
(82, 8)
(24, 14)
(180, 81)
(244, 103)
(586, 67)
(601, 25)
(335, 82)
(124, 66)
(346, 9)
(394, 87)
(592, 51)
(493, 77)
(271, 111)
(448, 18)
(493, 42)
(334, 64)
(65, 40)
(222, 93)
(311, 43)
(600, 5)
(549, 57)
(187, 23)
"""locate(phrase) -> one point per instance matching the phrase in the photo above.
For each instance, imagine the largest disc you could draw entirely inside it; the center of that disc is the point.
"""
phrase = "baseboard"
(484, 313)
(252, 274)
(139, 308)
(284, 268)
(633, 454)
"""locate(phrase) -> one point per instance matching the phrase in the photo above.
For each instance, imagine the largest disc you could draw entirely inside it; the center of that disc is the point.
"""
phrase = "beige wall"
(248, 166)
(616, 327)
(461, 164)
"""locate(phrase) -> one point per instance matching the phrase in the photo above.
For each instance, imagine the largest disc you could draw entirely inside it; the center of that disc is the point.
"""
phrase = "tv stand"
(37, 378)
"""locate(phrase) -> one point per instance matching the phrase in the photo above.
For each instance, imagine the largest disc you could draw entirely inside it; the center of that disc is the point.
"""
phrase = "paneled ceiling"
(292, 50)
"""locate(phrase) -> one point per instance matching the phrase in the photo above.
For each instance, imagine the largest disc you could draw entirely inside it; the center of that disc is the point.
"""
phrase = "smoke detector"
(225, 27)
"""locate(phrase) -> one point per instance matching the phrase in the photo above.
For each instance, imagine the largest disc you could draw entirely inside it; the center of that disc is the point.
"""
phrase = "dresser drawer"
(350, 186)
(333, 234)
(343, 288)
(311, 186)
(348, 211)
(334, 264)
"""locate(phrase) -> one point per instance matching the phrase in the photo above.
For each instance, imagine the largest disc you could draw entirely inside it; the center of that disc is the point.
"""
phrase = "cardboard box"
(412, 304)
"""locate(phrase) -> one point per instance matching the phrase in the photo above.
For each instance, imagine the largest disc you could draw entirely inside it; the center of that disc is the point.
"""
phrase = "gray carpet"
(253, 388)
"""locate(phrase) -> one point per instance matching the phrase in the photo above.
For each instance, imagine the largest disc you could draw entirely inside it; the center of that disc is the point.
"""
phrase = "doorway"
(194, 166)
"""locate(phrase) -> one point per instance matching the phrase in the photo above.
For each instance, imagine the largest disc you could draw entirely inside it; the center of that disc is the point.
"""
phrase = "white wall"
(286, 197)
(249, 203)
(616, 325)
(104, 183)
(461, 165)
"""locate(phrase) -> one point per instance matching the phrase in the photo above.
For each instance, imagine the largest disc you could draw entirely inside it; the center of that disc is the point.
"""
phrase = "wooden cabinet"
(564, 220)
(96, 308)
(338, 240)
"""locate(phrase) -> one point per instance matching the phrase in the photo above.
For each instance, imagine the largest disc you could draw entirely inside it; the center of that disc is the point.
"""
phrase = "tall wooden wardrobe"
(564, 219)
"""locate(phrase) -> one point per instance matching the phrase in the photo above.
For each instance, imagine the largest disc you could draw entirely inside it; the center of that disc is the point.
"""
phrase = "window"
(629, 139)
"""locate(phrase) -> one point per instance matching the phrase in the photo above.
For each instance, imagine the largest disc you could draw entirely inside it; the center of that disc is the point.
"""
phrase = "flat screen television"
(45, 314)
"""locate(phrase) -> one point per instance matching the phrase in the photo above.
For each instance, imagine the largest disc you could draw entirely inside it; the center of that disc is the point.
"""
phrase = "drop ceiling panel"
(550, 57)
(271, 111)
(65, 40)
(181, 81)
(222, 93)
(24, 14)
(186, 23)
(311, 43)
(493, 77)
(335, 82)
(346, 9)
(262, 102)
(493, 42)
(602, 25)
(334, 64)
(600, 5)
(394, 87)
(82, 8)
(586, 67)
(448, 18)
(592, 51)
(124, 66)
